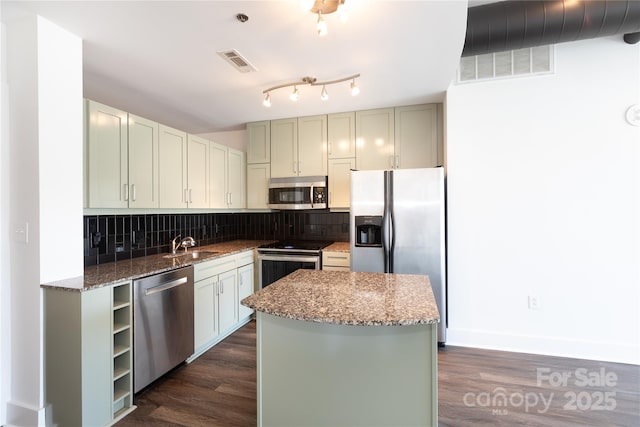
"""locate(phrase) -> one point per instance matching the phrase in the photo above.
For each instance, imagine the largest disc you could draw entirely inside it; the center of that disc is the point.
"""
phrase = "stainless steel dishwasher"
(162, 324)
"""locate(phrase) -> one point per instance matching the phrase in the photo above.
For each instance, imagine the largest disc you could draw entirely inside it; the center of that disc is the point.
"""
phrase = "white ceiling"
(158, 59)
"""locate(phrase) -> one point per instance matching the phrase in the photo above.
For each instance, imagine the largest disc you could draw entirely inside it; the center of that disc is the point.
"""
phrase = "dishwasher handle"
(165, 286)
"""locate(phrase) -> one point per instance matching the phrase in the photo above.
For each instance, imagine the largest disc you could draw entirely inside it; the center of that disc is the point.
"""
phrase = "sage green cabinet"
(341, 135)
(121, 159)
(258, 175)
(340, 182)
(219, 284)
(89, 355)
(284, 148)
(375, 136)
(299, 147)
(418, 136)
(236, 176)
(173, 168)
(259, 142)
(197, 188)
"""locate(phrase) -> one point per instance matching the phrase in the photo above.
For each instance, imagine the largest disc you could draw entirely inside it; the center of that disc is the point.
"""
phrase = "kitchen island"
(346, 348)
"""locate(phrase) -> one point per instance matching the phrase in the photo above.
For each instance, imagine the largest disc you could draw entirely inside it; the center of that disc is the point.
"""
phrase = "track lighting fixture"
(324, 7)
(311, 81)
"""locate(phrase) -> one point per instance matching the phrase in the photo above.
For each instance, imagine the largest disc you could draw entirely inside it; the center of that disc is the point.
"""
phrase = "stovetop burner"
(306, 245)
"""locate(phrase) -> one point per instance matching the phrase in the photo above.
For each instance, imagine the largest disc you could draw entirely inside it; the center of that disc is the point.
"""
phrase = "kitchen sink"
(191, 255)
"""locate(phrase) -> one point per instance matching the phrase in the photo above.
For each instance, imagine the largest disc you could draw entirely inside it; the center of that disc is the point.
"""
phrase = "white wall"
(235, 139)
(544, 200)
(5, 308)
(45, 101)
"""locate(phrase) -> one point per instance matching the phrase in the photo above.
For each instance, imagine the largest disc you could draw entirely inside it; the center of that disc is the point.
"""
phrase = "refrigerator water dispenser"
(368, 231)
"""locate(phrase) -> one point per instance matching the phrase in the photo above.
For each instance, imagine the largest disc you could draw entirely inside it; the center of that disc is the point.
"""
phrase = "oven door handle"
(311, 196)
(296, 258)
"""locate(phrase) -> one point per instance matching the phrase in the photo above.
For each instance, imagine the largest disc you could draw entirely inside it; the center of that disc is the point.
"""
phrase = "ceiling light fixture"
(311, 81)
(324, 7)
(354, 89)
(295, 94)
(324, 95)
(267, 100)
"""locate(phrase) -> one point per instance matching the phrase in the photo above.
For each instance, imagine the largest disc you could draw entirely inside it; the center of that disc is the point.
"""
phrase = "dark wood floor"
(476, 388)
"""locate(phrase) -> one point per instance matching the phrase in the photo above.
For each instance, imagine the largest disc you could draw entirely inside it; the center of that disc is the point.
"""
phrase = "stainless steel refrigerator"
(397, 226)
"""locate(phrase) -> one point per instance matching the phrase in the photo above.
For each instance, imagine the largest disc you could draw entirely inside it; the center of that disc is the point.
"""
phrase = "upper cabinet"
(375, 139)
(218, 166)
(284, 148)
(173, 168)
(259, 145)
(227, 177)
(197, 172)
(418, 136)
(299, 147)
(399, 138)
(121, 155)
(143, 162)
(341, 135)
(236, 179)
(312, 146)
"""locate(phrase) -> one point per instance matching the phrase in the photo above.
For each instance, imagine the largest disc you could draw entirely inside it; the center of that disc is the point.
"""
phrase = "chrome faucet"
(187, 242)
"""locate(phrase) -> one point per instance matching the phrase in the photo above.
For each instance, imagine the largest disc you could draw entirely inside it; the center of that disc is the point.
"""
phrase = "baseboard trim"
(580, 349)
(21, 414)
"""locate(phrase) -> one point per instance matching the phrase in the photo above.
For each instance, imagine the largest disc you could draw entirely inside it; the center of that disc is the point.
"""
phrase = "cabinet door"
(418, 136)
(312, 146)
(107, 160)
(245, 288)
(259, 144)
(284, 148)
(227, 300)
(341, 135)
(172, 167)
(217, 175)
(235, 179)
(340, 182)
(197, 172)
(374, 139)
(258, 185)
(143, 163)
(204, 311)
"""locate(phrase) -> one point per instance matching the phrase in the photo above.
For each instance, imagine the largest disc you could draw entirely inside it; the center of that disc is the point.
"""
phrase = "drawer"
(335, 268)
(244, 258)
(202, 270)
(336, 259)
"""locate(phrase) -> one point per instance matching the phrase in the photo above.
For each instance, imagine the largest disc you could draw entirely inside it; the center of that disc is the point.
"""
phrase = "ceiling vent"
(513, 63)
(234, 58)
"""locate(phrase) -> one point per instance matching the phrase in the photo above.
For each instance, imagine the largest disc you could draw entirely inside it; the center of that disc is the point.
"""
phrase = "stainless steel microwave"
(300, 192)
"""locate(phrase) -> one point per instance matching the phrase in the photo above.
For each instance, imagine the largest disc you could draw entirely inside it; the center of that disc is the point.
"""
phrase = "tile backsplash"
(109, 238)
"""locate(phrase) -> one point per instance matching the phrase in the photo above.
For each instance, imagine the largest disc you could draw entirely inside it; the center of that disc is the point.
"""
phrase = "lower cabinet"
(89, 355)
(220, 285)
(337, 261)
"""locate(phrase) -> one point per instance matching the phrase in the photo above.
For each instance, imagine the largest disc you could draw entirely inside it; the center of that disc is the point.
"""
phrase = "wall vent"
(238, 62)
(512, 63)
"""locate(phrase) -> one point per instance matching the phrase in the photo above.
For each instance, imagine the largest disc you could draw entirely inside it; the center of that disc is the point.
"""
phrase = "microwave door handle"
(311, 196)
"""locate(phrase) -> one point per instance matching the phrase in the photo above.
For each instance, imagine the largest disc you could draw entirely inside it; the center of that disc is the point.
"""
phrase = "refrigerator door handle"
(385, 223)
(392, 222)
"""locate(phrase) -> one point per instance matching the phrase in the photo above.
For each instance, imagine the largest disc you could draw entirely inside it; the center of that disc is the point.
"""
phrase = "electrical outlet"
(534, 303)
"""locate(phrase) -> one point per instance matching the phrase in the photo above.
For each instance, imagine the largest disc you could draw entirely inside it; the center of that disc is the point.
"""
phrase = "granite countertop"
(115, 272)
(349, 298)
(337, 247)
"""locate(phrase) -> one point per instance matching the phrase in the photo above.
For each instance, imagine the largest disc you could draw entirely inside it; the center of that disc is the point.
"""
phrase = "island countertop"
(349, 298)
